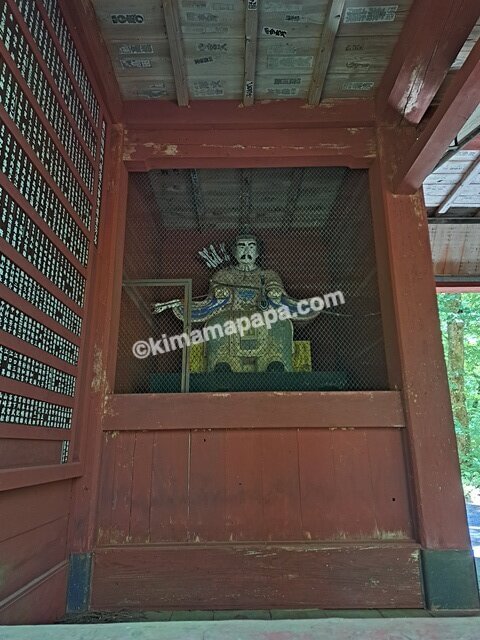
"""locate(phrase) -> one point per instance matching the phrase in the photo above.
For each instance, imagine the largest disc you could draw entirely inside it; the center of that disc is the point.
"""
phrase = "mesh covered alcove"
(314, 236)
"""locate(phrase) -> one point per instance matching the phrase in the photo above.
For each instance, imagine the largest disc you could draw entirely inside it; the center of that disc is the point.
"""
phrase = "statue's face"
(246, 251)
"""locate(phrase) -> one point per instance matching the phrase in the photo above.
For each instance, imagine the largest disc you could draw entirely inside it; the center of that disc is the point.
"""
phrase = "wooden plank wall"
(312, 486)
(50, 107)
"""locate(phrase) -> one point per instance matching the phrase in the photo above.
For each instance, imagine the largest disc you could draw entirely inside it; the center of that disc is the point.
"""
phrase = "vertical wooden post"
(420, 373)
(102, 327)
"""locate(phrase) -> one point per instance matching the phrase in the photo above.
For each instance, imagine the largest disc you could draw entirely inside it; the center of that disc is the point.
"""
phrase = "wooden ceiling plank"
(430, 41)
(468, 177)
(325, 50)
(174, 33)
(251, 40)
(458, 104)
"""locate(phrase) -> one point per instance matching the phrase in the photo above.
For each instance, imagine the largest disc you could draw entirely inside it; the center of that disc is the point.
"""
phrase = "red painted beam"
(30, 476)
(158, 148)
(230, 114)
(460, 101)
(432, 37)
(246, 410)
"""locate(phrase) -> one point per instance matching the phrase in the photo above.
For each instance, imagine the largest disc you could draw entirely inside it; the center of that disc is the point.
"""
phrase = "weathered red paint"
(432, 36)
(99, 349)
(166, 148)
(262, 576)
(459, 102)
(421, 373)
(230, 114)
(268, 410)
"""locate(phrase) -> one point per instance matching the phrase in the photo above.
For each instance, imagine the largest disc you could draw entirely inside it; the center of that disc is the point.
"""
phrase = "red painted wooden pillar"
(103, 320)
(417, 368)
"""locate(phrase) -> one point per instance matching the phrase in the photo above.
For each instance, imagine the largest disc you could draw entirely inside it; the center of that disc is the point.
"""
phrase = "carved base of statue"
(257, 350)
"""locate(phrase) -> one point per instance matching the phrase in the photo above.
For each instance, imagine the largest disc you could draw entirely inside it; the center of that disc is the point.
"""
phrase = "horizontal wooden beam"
(254, 411)
(433, 35)
(253, 575)
(14, 387)
(165, 148)
(459, 102)
(22, 432)
(230, 114)
(458, 288)
(30, 476)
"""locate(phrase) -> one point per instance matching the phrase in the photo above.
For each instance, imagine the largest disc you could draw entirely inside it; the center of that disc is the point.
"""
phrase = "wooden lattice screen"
(52, 141)
(55, 133)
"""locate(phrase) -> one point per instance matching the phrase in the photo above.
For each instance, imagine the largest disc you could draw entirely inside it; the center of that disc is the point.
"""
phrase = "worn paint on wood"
(257, 577)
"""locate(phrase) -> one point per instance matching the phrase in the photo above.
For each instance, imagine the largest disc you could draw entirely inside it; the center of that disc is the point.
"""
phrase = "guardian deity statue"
(237, 292)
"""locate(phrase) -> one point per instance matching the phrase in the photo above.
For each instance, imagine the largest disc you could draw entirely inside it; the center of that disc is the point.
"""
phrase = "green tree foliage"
(461, 312)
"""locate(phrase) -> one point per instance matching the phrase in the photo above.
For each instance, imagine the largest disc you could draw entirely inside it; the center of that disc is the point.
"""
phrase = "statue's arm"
(201, 310)
(278, 297)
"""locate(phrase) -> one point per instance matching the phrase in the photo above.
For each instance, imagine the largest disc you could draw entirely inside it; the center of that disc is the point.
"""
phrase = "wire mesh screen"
(283, 280)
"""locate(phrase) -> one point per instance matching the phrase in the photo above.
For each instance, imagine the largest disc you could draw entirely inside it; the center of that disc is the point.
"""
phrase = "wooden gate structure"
(217, 500)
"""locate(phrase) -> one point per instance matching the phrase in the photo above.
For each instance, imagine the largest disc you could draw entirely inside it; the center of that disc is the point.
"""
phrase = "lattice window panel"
(68, 46)
(50, 55)
(19, 325)
(25, 237)
(30, 290)
(29, 125)
(18, 168)
(38, 84)
(16, 409)
(18, 366)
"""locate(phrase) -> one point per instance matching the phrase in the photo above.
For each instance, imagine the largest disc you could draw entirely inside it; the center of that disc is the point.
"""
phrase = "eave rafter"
(472, 174)
(431, 39)
(174, 33)
(459, 102)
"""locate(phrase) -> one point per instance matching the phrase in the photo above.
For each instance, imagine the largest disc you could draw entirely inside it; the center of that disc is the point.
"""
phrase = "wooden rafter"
(432, 37)
(469, 176)
(325, 50)
(251, 33)
(460, 100)
(174, 33)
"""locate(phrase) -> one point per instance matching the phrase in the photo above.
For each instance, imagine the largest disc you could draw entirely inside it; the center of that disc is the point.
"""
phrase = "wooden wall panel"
(43, 600)
(31, 554)
(257, 577)
(261, 485)
(26, 509)
(29, 453)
